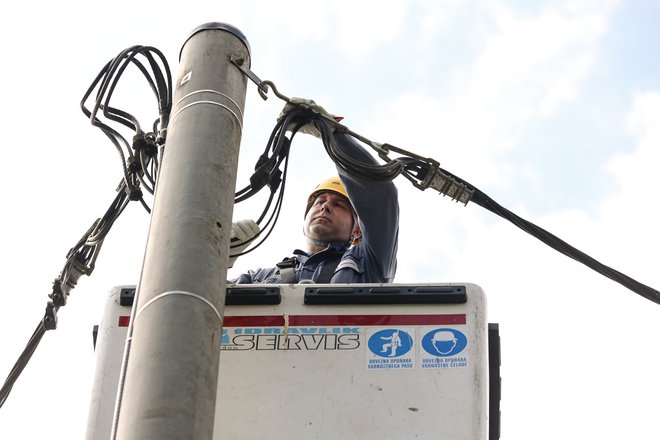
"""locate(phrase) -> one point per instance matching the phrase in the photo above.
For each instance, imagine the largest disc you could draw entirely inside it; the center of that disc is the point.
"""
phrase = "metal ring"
(178, 292)
(211, 91)
(240, 124)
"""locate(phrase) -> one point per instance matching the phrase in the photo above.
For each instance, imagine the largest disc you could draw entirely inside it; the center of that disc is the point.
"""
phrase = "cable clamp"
(50, 317)
(448, 186)
(431, 172)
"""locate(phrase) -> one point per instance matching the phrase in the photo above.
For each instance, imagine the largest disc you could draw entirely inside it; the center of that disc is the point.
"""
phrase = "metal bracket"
(239, 62)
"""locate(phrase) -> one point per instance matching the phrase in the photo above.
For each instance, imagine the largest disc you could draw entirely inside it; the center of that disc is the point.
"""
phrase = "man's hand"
(308, 104)
(242, 233)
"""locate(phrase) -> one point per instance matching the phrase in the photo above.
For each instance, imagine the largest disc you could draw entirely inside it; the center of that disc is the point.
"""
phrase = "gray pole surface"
(172, 368)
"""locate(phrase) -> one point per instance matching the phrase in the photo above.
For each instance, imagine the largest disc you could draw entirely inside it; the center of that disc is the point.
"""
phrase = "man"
(351, 229)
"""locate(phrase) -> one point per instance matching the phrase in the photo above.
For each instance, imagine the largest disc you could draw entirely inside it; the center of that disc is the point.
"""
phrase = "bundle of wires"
(271, 171)
(271, 167)
(139, 162)
(140, 159)
(426, 172)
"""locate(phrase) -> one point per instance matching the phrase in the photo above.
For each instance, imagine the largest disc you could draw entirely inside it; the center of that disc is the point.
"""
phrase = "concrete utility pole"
(172, 369)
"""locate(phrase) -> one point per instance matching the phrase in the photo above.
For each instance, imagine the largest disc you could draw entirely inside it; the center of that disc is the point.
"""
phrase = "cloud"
(353, 28)
(545, 57)
(528, 67)
(356, 36)
(631, 211)
(436, 17)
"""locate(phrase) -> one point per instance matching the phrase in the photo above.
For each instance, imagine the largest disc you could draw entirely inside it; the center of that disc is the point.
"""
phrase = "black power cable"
(22, 362)
(426, 172)
(139, 159)
(560, 245)
(268, 173)
(423, 173)
(140, 164)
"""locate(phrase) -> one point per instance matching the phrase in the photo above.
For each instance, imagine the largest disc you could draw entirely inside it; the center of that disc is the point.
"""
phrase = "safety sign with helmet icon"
(443, 348)
(444, 342)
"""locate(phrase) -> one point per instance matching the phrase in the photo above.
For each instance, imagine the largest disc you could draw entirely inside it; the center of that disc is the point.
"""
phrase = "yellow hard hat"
(333, 184)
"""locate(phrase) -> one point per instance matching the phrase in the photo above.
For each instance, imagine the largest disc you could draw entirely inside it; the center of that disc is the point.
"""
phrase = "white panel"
(329, 372)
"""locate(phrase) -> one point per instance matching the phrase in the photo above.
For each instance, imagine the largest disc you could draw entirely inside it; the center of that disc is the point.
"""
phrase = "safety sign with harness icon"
(390, 348)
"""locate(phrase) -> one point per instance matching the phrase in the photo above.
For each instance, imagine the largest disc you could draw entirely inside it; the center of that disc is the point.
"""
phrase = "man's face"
(330, 218)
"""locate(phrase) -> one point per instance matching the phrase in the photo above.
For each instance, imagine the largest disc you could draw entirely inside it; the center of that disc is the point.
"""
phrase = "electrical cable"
(139, 163)
(416, 169)
(426, 173)
(21, 362)
(136, 161)
(561, 246)
(268, 173)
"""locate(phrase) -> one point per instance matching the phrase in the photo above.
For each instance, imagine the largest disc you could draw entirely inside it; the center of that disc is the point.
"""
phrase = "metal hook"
(268, 83)
(263, 91)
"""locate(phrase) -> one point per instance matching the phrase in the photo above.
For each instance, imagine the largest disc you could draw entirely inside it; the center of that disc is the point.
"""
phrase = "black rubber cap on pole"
(218, 26)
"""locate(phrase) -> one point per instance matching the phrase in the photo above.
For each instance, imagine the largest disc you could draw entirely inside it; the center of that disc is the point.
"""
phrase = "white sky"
(551, 108)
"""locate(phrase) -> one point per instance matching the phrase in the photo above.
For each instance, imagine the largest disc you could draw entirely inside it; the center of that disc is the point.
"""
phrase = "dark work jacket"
(371, 261)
